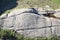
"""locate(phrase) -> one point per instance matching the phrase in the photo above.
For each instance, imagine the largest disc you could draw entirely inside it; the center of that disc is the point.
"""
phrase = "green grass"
(12, 35)
(56, 1)
(39, 3)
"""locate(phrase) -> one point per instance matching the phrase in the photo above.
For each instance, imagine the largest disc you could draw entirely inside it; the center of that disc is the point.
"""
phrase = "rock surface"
(31, 24)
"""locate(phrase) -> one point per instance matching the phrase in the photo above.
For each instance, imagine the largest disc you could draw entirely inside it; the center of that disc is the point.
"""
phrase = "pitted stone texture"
(41, 11)
(8, 22)
(56, 30)
(30, 20)
(31, 24)
(34, 32)
(55, 21)
(45, 32)
(57, 14)
(1, 22)
(17, 11)
(48, 21)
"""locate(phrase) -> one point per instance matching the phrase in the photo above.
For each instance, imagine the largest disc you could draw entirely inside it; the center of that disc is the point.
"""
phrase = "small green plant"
(7, 34)
(54, 37)
(12, 35)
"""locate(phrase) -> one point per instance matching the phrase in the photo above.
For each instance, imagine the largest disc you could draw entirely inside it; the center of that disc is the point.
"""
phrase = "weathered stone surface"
(56, 30)
(29, 20)
(17, 11)
(55, 21)
(8, 22)
(41, 11)
(45, 32)
(57, 14)
(31, 24)
(1, 22)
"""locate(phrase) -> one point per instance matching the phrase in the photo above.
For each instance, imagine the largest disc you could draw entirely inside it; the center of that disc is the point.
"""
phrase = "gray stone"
(31, 24)
(30, 20)
(56, 30)
(1, 22)
(55, 21)
(45, 32)
(8, 22)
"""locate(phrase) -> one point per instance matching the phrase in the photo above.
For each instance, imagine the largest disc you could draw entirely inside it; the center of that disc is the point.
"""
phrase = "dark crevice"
(33, 10)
